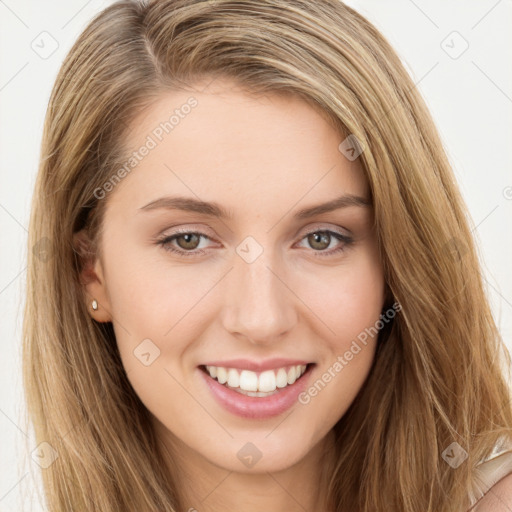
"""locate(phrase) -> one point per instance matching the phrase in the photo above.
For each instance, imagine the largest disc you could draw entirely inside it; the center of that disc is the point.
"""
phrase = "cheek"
(156, 311)
(152, 299)
(350, 303)
(347, 298)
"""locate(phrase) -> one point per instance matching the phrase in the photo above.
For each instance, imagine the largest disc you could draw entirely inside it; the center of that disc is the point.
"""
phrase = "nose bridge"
(258, 305)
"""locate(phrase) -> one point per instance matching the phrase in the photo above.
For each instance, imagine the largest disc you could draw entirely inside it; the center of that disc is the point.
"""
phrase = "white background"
(470, 98)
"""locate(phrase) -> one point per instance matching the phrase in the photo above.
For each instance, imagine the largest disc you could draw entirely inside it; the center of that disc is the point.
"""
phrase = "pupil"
(322, 238)
(190, 243)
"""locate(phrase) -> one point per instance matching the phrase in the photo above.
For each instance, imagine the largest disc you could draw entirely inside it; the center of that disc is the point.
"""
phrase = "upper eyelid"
(318, 228)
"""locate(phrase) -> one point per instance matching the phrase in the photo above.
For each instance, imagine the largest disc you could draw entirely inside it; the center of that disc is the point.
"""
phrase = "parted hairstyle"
(438, 375)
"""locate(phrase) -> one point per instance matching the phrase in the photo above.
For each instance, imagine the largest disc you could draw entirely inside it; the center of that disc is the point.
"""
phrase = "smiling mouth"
(257, 384)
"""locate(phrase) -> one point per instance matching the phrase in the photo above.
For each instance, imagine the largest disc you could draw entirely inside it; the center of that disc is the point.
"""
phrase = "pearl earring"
(94, 305)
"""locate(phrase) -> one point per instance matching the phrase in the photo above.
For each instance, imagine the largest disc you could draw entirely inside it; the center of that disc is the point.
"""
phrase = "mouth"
(254, 394)
(256, 384)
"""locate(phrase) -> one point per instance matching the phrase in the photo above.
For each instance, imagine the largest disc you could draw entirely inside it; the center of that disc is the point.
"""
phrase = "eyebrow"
(215, 210)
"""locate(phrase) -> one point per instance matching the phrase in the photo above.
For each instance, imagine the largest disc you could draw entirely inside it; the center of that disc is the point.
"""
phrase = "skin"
(262, 158)
(498, 498)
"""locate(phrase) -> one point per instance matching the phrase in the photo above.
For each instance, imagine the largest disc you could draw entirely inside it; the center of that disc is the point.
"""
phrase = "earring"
(94, 305)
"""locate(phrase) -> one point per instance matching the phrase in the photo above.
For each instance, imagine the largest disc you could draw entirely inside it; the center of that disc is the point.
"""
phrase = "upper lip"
(257, 366)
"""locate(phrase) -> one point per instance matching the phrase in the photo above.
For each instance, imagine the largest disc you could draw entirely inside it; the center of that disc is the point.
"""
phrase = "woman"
(261, 292)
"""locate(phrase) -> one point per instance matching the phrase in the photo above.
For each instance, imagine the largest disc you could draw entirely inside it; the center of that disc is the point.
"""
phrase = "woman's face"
(217, 252)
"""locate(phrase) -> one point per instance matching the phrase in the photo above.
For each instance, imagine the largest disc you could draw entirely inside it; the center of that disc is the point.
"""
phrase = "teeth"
(281, 378)
(292, 375)
(233, 378)
(222, 374)
(248, 380)
(267, 381)
(252, 384)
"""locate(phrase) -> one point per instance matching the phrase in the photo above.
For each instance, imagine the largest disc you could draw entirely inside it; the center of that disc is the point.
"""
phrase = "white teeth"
(233, 378)
(248, 381)
(292, 375)
(267, 381)
(222, 375)
(281, 378)
(252, 384)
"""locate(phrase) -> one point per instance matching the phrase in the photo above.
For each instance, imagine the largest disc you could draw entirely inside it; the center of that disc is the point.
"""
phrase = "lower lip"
(257, 407)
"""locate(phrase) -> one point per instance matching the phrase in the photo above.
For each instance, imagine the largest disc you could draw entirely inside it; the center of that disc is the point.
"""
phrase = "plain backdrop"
(458, 52)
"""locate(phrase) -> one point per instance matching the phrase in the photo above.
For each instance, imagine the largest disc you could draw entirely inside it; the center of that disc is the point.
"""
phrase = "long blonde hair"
(437, 377)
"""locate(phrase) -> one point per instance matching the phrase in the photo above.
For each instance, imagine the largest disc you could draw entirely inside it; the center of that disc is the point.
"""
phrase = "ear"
(92, 277)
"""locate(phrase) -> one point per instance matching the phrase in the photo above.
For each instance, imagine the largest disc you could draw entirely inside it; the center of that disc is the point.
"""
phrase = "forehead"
(225, 142)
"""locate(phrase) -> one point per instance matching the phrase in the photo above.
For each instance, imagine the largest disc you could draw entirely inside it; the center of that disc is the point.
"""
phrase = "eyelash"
(165, 243)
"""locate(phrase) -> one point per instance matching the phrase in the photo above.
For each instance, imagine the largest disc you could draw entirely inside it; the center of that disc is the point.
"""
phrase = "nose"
(258, 304)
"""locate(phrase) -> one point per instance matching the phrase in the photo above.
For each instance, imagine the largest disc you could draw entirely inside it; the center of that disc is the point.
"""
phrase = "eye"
(320, 240)
(190, 240)
(186, 243)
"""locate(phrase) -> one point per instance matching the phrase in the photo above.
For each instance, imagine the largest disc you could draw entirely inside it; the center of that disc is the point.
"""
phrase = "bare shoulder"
(498, 498)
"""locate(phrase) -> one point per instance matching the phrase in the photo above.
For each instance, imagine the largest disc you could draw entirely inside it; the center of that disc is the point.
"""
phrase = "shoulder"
(498, 498)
